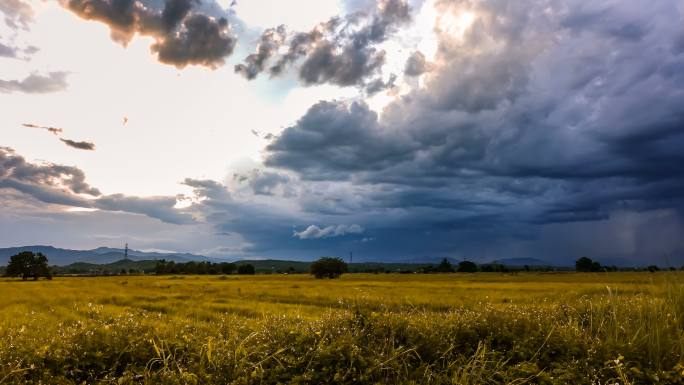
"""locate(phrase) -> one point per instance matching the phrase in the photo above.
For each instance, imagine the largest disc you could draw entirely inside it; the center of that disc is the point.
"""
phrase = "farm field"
(484, 328)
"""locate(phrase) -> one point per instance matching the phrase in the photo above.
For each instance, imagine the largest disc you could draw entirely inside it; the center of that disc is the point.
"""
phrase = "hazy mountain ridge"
(100, 255)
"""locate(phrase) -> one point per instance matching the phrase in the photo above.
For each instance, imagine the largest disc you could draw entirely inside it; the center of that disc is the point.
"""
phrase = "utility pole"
(126, 252)
(351, 257)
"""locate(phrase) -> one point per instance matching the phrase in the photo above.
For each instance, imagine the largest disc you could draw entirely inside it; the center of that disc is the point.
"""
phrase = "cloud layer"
(55, 184)
(315, 232)
(36, 83)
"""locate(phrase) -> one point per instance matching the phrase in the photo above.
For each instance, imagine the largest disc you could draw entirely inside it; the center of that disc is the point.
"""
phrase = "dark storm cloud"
(14, 169)
(175, 11)
(263, 182)
(268, 45)
(36, 83)
(340, 51)
(335, 138)
(377, 85)
(184, 32)
(325, 65)
(79, 145)
(266, 227)
(523, 123)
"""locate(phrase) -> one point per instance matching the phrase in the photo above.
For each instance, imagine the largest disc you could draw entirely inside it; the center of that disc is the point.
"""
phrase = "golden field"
(484, 328)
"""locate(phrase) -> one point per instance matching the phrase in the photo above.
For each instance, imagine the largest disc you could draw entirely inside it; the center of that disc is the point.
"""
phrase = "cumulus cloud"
(185, 32)
(335, 137)
(378, 85)
(13, 52)
(66, 186)
(50, 181)
(265, 182)
(416, 64)
(268, 44)
(18, 13)
(340, 51)
(315, 232)
(79, 145)
(36, 83)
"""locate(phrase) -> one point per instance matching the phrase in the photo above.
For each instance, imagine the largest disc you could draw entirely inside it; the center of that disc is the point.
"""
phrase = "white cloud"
(315, 232)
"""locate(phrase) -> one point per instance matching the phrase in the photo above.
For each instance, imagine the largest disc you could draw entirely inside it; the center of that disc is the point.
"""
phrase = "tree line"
(35, 265)
(210, 268)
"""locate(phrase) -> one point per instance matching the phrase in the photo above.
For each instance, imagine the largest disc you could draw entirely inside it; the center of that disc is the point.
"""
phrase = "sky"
(393, 129)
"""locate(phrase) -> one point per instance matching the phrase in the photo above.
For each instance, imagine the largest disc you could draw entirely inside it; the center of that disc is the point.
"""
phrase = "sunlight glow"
(455, 23)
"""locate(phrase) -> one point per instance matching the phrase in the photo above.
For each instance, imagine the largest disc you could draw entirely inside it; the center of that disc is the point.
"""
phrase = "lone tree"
(466, 267)
(27, 264)
(328, 267)
(586, 265)
(444, 267)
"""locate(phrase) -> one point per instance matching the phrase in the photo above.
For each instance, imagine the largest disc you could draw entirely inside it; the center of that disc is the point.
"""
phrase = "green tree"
(466, 267)
(444, 267)
(227, 268)
(246, 269)
(328, 267)
(27, 264)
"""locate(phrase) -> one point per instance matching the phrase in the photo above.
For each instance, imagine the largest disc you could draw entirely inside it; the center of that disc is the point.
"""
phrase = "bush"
(444, 267)
(328, 267)
(466, 267)
(246, 269)
(585, 264)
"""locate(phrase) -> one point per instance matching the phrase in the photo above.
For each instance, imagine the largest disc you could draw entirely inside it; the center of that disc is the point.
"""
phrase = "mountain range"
(100, 255)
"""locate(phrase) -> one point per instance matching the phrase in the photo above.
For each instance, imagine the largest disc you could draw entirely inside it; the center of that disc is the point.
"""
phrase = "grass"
(566, 328)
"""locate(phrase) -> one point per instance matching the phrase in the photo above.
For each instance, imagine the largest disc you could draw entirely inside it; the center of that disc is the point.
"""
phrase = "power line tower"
(126, 253)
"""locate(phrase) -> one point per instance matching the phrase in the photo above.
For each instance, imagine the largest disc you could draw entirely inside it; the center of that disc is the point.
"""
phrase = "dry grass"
(388, 328)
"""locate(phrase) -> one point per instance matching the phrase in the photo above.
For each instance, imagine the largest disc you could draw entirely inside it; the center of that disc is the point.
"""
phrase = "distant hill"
(109, 268)
(100, 255)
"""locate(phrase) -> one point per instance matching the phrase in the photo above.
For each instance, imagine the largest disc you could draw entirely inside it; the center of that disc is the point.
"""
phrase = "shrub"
(444, 267)
(328, 267)
(246, 269)
(466, 267)
(585, 264)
